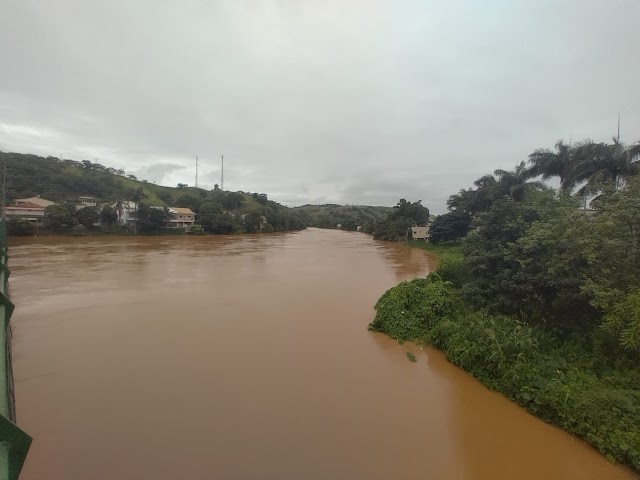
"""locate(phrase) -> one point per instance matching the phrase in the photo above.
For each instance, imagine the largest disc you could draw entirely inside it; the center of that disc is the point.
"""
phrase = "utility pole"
(222, 174)
(196, 171)
(4, 186)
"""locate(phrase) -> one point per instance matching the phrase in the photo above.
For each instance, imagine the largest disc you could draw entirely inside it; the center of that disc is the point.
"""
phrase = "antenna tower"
(196, 171)
(222, 174)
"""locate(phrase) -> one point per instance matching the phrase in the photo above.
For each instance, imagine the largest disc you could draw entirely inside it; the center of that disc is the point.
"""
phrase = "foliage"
(87, 216)
(451, 226)
(58, 217)
(348, 216)
(408, 310)
(595, 166)
(522, 362)
(150, 219)
(411, 356)
(20, 227)
(396, 226)
(108, 216)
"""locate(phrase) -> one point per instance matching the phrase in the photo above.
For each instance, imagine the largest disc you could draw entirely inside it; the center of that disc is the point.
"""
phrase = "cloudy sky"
(348, 101)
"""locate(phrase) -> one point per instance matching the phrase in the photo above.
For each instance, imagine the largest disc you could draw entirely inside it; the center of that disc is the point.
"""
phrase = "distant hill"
(348, 216)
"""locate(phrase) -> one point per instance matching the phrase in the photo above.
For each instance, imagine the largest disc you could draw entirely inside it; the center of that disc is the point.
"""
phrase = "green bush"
(408, 310)
(559, 383)
(452, 269)
(20, 227)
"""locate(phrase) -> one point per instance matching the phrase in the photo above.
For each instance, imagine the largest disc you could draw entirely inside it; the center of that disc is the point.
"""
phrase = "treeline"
(341, 217)
(396, 226)
(545, 304)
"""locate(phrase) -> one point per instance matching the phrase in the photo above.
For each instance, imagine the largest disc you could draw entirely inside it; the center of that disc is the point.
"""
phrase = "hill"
(348, 216)
(62, 180)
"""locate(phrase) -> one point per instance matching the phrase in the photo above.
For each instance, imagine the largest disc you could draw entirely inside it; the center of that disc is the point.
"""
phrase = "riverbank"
(561, 382)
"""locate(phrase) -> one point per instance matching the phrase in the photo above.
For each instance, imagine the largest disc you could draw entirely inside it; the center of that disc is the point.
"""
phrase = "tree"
(411, 211)
(108, 216)
(188, 201)
(209, 212)
(150, 219)
(165, 196)
(252, 222)
(58, 217)
(600, 164)
(547, 164)
(233, 200)
(20, 227)
(451, 226)
(87, 216)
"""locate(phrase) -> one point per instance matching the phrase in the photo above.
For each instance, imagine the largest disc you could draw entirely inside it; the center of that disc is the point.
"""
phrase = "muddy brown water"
(249, 358)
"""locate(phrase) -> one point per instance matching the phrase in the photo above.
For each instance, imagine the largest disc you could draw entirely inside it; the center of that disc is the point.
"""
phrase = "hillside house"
(30, 209)
(85, 202)
(127, 213)
(181, 218)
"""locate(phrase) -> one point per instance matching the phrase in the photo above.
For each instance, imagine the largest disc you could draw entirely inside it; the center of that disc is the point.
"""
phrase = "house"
(34, 200)
(420, 233)
(181, 218)
(30, 209)
(126, 212)
(85, 202)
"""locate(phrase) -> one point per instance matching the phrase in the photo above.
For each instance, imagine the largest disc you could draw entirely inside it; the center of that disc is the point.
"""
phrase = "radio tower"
(196, 171)
(222, 174)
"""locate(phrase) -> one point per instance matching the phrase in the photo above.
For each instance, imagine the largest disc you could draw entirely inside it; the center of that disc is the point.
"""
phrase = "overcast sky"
(343, 101)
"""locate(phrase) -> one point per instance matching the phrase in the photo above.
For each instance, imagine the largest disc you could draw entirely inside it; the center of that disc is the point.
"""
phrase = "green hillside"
(65, 180)
(348, 216)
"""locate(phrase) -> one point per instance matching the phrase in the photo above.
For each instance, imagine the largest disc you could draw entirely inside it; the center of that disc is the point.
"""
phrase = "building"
(126, 213)
(420, 233)
(181, 218)
(30, 209)
(34, 200)
(85, 202)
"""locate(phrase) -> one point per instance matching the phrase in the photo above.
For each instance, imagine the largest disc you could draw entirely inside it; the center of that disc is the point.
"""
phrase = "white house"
(126, 213)
(420, 233)
(85, 202)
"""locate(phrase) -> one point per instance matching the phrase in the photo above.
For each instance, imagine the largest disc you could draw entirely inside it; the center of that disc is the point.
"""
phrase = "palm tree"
(547, 164)
(600, 164)
(516, 183)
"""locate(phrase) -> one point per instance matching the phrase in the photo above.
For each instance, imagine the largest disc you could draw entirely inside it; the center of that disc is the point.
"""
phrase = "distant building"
(181, 218)
(30, 209)
(34, 200)
(126, 213)
(420, 233)
(85, 202)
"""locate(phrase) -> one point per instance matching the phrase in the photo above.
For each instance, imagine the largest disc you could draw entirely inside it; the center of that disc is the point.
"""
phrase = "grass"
(446, 250)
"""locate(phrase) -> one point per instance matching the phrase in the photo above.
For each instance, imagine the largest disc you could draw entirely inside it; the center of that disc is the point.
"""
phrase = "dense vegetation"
(396, 226)
(544, 304)
(63, 181)
(349, 217)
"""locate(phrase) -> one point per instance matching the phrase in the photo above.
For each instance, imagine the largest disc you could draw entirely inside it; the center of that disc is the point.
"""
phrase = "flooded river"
(248, 357)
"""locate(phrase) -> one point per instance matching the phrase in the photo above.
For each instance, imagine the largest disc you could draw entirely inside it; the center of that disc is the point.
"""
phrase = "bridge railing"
(14, 443)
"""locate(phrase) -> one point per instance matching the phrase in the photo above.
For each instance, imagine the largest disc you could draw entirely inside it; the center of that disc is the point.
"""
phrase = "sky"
(334, 101)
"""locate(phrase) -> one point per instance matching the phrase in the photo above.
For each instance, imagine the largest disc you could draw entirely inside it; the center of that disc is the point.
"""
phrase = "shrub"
(406, 311)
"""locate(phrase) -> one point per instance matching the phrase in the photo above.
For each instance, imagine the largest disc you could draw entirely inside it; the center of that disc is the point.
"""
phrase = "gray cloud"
(353, 102)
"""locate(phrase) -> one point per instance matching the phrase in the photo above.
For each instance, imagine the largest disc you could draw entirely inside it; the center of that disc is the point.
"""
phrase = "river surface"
(248, 357)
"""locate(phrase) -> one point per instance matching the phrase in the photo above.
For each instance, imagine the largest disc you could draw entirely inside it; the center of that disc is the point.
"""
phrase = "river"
(248, 357)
